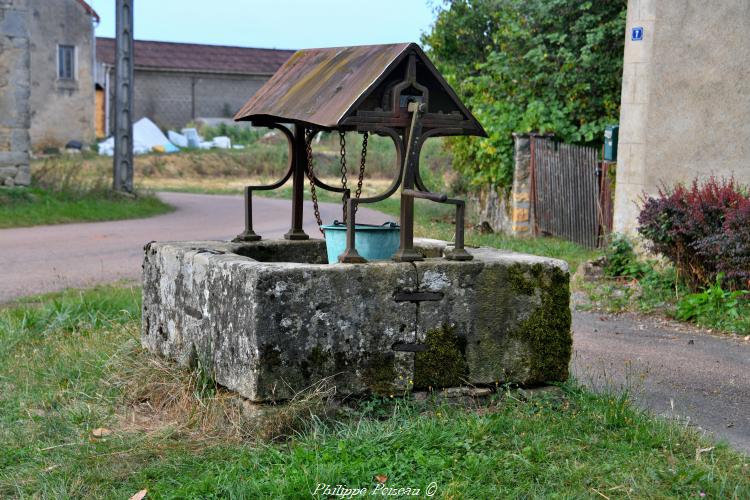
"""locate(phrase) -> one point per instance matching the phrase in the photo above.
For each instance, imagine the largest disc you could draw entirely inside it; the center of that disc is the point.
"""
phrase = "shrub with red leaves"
(704, 230)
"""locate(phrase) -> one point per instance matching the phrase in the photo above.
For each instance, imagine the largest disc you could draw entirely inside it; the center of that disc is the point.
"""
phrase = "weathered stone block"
(8, 172)
(23, 176)
(269, 318)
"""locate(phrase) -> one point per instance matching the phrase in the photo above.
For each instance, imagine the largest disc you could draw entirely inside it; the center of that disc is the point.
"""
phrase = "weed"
(715, 307)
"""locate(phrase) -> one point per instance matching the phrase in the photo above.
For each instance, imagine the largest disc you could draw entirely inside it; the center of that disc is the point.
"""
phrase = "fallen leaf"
(140, 495)
(101, 432)
(700, 451)
(381, 478)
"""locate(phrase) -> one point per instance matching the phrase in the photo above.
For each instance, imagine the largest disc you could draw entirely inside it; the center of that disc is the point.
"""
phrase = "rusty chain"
(311, 176)
(342, 152)
(362, 163)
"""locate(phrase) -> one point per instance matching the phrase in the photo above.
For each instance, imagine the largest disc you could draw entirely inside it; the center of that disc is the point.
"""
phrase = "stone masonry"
(509, 213)
(523, 220)
(14, 94)
(270, 318)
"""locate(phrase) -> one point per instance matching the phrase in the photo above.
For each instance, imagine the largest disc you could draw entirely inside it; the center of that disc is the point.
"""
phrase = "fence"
(570, 192)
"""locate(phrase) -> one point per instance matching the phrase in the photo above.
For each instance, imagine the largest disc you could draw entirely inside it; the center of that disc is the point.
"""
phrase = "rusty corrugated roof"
(172, 56)
(319, 86)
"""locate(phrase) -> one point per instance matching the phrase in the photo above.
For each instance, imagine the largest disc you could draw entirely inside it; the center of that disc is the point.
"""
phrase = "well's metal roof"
(324, 86)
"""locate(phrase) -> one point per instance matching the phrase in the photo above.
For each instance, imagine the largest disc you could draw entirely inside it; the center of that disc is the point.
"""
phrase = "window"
(66, 62)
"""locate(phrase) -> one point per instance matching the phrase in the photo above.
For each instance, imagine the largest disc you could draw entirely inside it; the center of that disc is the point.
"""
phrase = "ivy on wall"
(529, 66)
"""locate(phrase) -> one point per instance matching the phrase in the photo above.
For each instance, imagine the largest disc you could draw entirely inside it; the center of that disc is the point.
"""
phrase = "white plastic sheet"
(177, 139)
(146, 135)
(222, 142)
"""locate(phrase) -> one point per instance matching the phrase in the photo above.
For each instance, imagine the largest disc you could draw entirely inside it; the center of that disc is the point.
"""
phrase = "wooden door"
(99, 114)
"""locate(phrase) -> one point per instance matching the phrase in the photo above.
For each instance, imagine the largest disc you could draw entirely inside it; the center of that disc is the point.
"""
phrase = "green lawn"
(71, 363)
(20, 207)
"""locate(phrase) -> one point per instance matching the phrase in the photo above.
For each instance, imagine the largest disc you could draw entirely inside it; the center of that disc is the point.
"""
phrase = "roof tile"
(196, 57)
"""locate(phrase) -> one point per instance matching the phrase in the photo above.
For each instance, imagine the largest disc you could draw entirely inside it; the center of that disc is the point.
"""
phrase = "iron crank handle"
(437, 197)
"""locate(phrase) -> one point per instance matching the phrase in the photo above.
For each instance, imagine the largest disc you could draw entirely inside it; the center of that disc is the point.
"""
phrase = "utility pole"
(123, 165)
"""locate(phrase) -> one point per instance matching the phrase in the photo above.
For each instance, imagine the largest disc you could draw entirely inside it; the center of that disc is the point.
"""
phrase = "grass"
(71, 368)
(21, 207)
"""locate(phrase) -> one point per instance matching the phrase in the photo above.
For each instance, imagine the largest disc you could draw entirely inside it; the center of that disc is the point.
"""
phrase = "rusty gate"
(570, 192)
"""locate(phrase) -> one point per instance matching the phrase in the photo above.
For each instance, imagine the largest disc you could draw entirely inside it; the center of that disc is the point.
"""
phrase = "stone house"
(685, 98)
(61, 45)
(46, 75)
(179, 82)
(62, 78)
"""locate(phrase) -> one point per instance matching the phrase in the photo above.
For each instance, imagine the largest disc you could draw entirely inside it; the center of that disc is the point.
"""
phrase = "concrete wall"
(172, 99)
(14, 93)
(61, 110)
(685, 98)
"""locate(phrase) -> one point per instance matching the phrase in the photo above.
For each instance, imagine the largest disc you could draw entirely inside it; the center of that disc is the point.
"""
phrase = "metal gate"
(569, 192)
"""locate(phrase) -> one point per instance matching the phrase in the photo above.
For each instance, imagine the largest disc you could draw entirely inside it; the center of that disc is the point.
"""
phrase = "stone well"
(269, 318)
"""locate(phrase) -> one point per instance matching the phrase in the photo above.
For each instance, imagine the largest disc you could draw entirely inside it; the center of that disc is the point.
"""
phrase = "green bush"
(529, 66)
(717, 308)
(621, 260)
(236, 133)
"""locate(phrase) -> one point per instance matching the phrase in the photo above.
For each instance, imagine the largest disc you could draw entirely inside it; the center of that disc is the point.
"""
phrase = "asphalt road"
(673, 370)
(50, 258)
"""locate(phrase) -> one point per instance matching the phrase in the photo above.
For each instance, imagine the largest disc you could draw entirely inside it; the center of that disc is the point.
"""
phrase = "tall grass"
(67, 189)
(71, 364)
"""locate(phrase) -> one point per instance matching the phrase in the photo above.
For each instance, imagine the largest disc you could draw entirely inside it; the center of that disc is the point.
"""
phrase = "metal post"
(458, 252)
(123, 154)
(406, 252)
(248, 234)
(350, 255)
(298, 185)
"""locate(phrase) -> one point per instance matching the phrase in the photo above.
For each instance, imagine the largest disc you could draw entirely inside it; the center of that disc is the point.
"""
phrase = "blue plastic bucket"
(372, 242)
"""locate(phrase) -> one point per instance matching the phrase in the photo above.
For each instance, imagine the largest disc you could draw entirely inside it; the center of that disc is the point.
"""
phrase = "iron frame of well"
(390, 90)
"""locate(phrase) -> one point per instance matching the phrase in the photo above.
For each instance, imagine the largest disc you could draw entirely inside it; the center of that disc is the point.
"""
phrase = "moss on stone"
(547, 329)
(270, 357)
(380, 373)
(443, 364)
(315, 364)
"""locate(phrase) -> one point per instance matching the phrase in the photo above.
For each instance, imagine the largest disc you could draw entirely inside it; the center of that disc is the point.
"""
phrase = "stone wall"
(14, 93)
(685, 98)
(61, 110)
(171, 99)
(268, 319)
(509, 213)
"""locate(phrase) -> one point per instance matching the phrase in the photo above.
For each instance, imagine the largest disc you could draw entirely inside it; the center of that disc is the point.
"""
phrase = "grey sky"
(287, 24)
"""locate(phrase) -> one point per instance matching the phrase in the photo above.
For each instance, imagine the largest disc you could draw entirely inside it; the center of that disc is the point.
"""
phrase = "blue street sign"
(636, 33)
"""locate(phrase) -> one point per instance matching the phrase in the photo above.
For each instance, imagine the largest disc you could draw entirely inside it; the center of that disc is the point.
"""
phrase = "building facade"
(62, 58)
(14, 93)
(57, 80)
(176, 83)
(685, 98)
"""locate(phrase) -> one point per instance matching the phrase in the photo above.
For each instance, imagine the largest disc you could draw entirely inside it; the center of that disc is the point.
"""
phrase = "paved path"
(50, 258)
(673, 370)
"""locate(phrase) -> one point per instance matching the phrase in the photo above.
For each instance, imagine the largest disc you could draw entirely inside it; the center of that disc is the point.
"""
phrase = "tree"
(529, 66)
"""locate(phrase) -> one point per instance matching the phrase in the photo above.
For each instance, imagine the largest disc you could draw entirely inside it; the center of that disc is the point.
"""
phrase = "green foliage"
(237, 134)
(621, 260)
(717, 308)
(549, 66)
